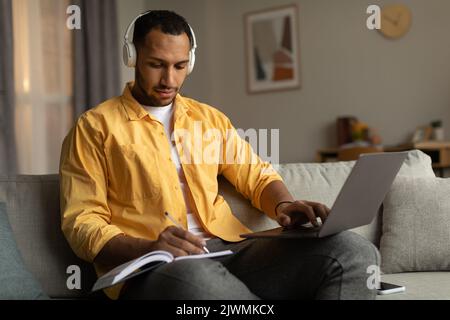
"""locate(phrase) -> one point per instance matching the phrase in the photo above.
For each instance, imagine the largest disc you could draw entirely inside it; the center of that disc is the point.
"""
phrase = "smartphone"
(388, 288)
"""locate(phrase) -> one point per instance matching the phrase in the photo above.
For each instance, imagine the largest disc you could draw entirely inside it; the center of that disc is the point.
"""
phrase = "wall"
(126, 12)
(394, 86)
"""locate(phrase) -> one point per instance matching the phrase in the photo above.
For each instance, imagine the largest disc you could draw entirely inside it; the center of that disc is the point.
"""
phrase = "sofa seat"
(419, 286)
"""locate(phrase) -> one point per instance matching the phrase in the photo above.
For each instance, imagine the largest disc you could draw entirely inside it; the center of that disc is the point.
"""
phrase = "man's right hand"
(123, 248)
(179, 242)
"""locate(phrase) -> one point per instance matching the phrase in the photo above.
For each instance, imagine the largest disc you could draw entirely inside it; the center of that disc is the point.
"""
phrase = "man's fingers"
(197, 241)
(308, 211)
(183, 244)
(184, 240)
(164, 245)
(321, 210)
(284, 220)
(177, 252)
(311, 210)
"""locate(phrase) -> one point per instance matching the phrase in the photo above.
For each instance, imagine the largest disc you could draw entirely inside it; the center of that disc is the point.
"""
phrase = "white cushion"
(416, 225)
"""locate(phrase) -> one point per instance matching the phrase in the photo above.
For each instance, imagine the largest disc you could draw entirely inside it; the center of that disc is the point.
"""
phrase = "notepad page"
(206, 255)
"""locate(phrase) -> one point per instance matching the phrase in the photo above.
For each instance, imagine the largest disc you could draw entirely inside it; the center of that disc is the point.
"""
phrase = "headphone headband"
(132, 24)
(129, 49)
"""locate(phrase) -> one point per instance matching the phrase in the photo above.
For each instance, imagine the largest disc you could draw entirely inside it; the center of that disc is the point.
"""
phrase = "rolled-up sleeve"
(85, 216)
(240, 165)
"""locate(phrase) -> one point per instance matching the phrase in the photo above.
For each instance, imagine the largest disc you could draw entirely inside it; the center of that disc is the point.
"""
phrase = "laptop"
(358, 201)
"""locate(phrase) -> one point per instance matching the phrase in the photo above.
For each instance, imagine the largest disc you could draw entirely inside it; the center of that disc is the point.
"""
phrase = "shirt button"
(176, 188)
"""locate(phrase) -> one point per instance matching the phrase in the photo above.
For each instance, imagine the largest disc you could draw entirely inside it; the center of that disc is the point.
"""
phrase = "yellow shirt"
(117, 176)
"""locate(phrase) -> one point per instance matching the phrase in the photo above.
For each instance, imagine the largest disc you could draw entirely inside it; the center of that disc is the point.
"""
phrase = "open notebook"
(146, 263)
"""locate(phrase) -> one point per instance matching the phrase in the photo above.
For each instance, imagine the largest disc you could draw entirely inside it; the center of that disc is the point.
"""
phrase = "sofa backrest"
(320, 182)
(33, 209)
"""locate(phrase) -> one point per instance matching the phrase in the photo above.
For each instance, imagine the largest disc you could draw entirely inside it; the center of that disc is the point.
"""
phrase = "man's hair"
(167, 21)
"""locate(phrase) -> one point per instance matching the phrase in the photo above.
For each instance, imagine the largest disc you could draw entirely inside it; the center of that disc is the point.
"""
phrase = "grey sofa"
(32, 204)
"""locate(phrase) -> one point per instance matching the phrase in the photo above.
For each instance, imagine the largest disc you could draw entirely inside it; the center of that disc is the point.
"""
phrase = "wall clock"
(395, 20)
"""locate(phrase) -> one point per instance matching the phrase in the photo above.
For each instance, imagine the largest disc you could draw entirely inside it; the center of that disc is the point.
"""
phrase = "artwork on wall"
(272, 49)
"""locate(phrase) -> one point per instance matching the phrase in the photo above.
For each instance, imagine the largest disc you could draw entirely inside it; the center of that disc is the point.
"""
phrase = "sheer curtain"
(59, 73)
(43, 83)
(7, 141)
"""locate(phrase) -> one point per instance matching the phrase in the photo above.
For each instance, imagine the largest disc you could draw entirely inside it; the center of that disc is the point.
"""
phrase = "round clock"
(395, 20)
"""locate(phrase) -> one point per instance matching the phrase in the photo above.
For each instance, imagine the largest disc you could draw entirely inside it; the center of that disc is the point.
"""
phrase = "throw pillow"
(16, 281)
(416, 225)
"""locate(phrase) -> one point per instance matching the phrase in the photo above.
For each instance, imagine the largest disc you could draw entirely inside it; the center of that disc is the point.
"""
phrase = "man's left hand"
(300, 212)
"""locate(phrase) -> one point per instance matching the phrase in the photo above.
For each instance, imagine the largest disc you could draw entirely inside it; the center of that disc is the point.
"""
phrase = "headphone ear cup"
(129, 54)
(191, 61)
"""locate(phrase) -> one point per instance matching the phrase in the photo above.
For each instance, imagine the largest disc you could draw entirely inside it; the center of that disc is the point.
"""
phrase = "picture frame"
(422, 134)
(272, 49)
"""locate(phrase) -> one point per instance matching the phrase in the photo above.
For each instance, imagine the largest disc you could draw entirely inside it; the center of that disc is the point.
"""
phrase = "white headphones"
(129, 50)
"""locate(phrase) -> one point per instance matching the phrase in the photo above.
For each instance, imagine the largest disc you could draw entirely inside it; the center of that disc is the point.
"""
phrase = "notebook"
(146, 263)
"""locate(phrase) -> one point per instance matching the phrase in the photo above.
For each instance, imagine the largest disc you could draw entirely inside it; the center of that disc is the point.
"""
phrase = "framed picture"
(272, 50)
(422, 134)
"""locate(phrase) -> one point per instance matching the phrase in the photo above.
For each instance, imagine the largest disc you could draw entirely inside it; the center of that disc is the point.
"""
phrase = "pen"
(181, 227)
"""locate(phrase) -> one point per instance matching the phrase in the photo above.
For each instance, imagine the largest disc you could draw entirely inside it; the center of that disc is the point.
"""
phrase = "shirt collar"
(135, 111)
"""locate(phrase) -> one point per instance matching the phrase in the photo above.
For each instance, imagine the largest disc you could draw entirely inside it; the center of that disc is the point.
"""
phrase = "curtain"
(7, 140)
(97, 69)
(43, 83)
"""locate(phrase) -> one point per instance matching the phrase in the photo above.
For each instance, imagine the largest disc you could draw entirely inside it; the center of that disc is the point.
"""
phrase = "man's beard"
(148, 99)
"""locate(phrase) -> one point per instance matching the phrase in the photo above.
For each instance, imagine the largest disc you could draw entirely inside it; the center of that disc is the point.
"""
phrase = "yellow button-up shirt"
(117, 175)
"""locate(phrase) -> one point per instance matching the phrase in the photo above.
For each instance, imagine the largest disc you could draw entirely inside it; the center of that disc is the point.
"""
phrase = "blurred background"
(397, 88)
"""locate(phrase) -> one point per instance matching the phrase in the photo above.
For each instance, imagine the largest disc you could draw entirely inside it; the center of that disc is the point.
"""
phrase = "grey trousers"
(329, 268)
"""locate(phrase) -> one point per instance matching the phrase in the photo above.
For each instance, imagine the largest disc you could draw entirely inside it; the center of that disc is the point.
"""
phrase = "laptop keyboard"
(302, 229)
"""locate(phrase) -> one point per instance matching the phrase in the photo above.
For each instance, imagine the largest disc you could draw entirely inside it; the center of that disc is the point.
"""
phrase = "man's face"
(161, 67)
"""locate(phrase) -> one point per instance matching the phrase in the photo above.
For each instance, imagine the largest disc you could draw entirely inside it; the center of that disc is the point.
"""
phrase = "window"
(43, 83)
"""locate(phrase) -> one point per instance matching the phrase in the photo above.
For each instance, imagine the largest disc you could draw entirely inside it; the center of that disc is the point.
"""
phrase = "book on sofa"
(146, 263)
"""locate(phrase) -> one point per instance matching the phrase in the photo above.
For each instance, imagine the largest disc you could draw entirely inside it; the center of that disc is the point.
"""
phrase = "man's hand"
(300, 212)
(123, 248)
(290, 213)
(179, 242)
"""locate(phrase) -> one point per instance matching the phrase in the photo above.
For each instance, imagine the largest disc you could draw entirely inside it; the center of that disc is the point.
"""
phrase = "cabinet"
(439, 151)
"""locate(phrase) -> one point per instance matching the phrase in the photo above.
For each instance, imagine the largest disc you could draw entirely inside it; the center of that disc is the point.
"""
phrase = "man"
(131, 159)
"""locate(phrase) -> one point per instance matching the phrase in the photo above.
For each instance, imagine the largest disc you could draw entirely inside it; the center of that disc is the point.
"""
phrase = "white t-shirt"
(165, 116)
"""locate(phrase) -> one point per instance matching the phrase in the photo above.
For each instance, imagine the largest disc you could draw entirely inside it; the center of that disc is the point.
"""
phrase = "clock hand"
(390, 19)
(399, 16)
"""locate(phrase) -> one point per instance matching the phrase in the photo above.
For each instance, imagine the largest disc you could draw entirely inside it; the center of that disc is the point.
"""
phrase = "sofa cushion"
(16, 281)
(416, 226)
(33, 209)
(419, 286)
